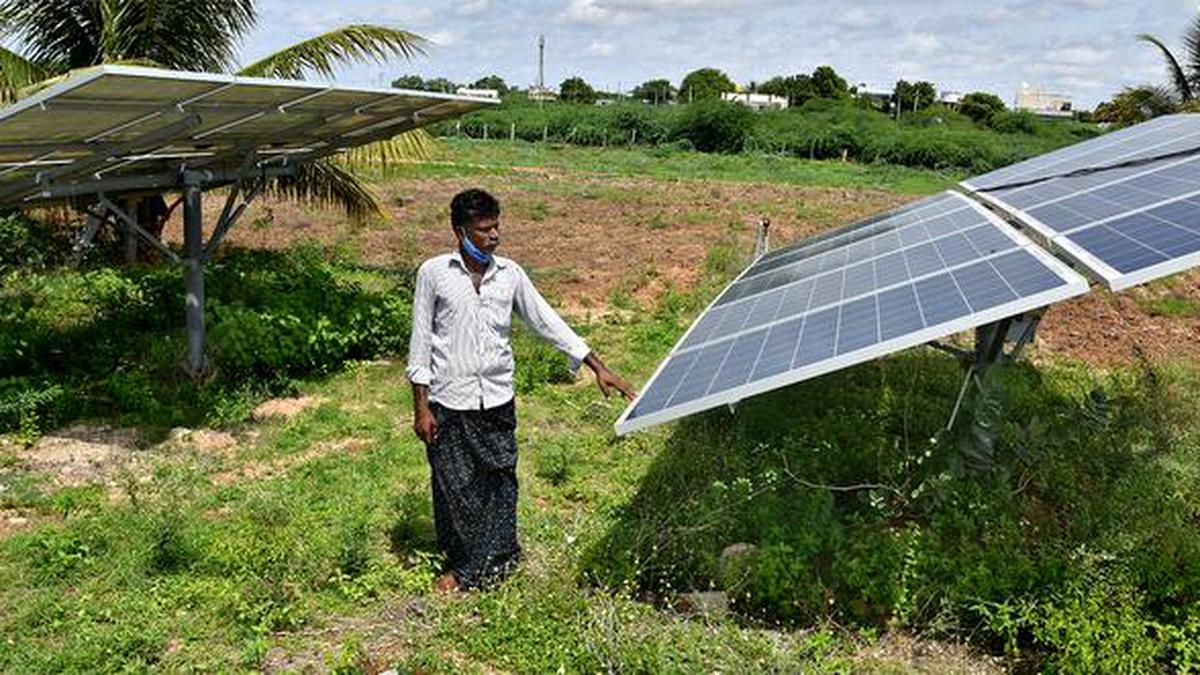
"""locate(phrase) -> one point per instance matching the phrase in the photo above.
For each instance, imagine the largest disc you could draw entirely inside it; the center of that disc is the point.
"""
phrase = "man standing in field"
(461, 366)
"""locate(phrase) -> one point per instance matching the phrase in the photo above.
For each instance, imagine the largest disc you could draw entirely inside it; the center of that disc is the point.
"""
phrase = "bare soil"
(586, 239)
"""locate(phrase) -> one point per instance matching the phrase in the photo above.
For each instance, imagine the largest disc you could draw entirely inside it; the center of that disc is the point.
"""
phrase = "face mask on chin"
(477, 254)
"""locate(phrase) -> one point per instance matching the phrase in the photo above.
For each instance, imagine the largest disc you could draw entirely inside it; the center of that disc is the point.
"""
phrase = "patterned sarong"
(474, 470)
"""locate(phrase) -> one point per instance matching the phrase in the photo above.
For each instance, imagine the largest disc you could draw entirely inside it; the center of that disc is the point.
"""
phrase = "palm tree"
(52, 37)
(1185, 75)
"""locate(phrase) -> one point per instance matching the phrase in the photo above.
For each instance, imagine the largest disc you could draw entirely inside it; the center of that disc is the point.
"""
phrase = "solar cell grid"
(851, 314)
(1127, 225)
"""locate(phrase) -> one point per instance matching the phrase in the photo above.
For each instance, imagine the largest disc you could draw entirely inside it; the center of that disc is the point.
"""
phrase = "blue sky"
(1082, 47)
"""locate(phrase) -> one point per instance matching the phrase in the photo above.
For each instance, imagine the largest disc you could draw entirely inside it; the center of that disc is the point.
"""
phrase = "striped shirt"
(460, 344)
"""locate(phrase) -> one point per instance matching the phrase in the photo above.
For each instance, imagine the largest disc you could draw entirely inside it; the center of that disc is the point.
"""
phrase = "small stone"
(702, 602)
(732, 555)
(17, 520)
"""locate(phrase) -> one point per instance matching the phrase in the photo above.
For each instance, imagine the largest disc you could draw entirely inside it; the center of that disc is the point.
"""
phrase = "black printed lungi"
(474, 469)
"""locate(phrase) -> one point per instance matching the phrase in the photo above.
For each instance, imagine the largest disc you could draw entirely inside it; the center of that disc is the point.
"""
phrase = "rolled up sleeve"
(543, 320)
(420, 370)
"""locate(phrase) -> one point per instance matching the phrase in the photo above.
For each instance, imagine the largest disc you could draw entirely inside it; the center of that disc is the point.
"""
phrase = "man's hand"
(607, 380)
(424, 422)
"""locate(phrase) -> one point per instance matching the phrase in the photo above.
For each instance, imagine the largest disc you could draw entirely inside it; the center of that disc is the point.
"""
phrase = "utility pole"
(541, 85)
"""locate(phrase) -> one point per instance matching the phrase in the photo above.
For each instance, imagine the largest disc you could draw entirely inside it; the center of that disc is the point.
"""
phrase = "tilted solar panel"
(106, 124)
(913, 275)
(1127, 206)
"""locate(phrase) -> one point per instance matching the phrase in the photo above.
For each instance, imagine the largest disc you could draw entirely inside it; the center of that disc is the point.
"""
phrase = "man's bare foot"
(447, 583)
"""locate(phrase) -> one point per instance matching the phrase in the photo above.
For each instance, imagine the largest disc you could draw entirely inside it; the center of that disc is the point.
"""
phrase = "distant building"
(1044, 103)
(537, 93)
(606, 101)
(950, 99)
(756, 101)
(880, 99)
(479, 93)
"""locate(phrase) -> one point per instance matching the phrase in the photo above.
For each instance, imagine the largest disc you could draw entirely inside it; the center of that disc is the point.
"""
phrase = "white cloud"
(859, 19)
(445, 38)
(599, 49)
(1081, 55)
(920, 43)
(472, 7)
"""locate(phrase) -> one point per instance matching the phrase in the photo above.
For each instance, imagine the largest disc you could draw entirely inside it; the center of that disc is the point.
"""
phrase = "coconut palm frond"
(200, 35)
(1179, 78)
(324, 183)
(322, 54)
(59, 34)
(17, 73)
(1191, 52)
(415, 145)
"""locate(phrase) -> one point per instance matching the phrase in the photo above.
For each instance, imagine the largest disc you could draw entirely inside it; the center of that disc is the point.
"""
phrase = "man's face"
(484, 233)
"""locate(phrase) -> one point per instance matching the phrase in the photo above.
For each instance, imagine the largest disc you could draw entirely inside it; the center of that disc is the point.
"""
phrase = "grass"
(496, 157)
(1057, 527)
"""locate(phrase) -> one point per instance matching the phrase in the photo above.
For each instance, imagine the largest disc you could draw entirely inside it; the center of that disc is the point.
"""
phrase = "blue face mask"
(476, 254)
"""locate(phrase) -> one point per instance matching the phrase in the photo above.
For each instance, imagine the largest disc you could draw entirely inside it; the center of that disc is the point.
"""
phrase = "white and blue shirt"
(460, 345)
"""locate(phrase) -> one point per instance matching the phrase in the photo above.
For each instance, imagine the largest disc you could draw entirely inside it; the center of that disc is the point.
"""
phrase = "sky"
(1085, 48)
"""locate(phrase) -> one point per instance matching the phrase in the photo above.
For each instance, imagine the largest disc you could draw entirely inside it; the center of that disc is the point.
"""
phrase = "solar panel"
(1125, 206)
(109, 123)
(940, 266)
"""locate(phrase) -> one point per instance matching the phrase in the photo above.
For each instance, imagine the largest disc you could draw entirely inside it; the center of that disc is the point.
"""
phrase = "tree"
(1135, 105)
(914, 96)
(705, 83)
(980, 106)
(797, 89)
(52, 37)
(826, 83)
(491, 82)
(575, 90)
(1185, 75)
(655, 91)
(713, 125)
(414, 82)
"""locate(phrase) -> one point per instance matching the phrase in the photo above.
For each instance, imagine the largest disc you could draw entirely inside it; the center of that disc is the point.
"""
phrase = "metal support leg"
(193, 238)
(84, 241)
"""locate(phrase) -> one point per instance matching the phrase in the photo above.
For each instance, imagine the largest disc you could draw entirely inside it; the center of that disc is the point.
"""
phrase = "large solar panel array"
(113, 122)
(1126, 205)
(925, 271)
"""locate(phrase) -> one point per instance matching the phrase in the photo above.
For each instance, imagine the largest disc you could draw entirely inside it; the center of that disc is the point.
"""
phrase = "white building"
(1044, 103)
(478, 93)
(756, 101)
(951, 99)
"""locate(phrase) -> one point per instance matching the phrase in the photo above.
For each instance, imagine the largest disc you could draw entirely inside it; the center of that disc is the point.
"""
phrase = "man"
(461, 366)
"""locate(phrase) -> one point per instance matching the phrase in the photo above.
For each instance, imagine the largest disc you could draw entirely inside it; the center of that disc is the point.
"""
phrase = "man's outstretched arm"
(541, 317)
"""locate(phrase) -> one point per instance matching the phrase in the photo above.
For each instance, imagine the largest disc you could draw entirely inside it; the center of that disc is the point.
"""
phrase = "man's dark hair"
(471, 205)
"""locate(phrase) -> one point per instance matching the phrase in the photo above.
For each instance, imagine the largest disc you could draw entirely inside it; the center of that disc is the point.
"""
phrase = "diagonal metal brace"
(84, 241)
(132, 224)
(231, 214)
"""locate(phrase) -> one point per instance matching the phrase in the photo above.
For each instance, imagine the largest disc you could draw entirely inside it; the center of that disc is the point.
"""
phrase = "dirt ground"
(588, 239)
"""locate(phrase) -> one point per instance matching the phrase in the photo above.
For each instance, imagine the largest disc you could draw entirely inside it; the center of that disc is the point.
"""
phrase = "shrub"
(1007, 122)
(715, 126)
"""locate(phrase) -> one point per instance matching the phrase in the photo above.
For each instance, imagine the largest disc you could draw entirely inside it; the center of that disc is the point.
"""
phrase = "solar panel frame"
(1073, 285)
(101, 123)
(1062, 241)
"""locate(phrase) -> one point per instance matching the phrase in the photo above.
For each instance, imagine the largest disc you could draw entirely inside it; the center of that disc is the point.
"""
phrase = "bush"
(111, 340)
(715, 126)
(1007, 122)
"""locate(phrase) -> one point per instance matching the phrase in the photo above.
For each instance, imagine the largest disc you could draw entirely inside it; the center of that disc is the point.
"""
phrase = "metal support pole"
(193, 238)
(130, 235)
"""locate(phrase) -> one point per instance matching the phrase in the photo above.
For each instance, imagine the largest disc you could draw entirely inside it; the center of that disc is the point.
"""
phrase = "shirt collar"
(497, 261)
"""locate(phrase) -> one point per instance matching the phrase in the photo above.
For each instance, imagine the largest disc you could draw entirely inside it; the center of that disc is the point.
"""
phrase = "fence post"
(545, 133)
(485, 132)
(512, 132)
(458, 128)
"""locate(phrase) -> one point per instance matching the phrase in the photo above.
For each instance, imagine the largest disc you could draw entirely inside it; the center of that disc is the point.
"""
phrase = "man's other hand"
(607, 380)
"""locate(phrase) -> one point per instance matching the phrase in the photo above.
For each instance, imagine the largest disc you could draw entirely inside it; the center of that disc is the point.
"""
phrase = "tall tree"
(575, 90)
(980, 106)
(1184, 74)
(491, 82)
(912, 96)
(705, 83)
(797, 89)
(826, 83)
(655, 91)
(52, 37)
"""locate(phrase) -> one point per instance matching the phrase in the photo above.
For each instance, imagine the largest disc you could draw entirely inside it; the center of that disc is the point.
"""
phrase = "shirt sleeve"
(541, 317)
(419, 370)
